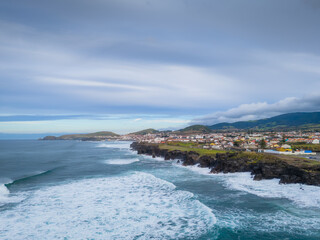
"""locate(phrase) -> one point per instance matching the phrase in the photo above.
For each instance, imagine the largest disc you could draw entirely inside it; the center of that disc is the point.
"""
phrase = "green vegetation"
(187, 147)
(250, 157)
(256, 157)
(253, 157)
(103, 134)
(284, 122)
(270, 158)
(186, 144)
(237, 143)
(262, 144)
(146, 131)
(290, 121)
(195, 129)
(312, 147)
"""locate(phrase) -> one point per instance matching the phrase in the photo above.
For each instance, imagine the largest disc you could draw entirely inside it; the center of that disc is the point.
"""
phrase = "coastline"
(261, 166)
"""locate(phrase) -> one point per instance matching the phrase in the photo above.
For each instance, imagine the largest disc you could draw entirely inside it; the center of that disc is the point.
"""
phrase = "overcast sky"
(123, 65)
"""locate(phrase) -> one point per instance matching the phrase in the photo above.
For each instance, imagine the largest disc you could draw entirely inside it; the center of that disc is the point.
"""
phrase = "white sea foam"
(299, 220)
(195, 168)
(121, 161)
(302, 195)
(130, 152)
(153, 158)
(119, 145)
(280, 221)
(6, 197)
(4, 192)
(138, 206)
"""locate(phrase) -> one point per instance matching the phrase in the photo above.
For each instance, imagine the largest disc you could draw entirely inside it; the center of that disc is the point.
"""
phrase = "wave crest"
(121, 161)
(119, 145)
(138, 206)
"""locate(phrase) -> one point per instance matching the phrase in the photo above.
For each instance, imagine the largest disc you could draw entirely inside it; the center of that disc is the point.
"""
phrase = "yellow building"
(285, 148)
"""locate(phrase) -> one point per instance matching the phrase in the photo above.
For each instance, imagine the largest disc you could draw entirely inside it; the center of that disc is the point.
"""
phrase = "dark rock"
(235, 162)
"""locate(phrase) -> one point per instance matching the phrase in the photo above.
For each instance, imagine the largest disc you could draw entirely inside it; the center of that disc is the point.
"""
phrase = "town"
(289, 143)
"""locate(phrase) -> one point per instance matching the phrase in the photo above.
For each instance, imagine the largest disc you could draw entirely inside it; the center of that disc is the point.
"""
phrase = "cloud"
(87, 83)
(23, 118)
(156, 57)
(86, 124)
(169, 121)
(261, 110)
(312, 3)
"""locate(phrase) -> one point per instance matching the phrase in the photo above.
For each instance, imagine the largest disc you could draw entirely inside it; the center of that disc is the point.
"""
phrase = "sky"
(75, 66)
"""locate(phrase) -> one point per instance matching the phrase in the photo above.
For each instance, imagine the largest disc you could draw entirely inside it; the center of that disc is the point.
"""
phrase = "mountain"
(145, 131)
(289, 121)
(194, 129)
(284, 122)
(89, 136)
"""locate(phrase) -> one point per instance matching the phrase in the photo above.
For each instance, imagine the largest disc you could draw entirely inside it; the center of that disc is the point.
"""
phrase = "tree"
(262, 144)
(283, 140)
(237, 143)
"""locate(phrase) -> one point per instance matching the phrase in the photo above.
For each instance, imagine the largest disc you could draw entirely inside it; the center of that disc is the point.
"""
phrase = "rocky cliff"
(261, 166)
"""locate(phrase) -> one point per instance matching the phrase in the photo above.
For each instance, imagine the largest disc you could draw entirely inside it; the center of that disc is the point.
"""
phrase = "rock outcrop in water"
(262, 166)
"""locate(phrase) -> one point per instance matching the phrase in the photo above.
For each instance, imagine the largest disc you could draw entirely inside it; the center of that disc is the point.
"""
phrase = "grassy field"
(190, 147)
(312, 147)
(272, 158)
(252, 156)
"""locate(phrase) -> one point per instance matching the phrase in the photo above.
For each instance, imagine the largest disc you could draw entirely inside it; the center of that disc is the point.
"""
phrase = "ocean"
(103, 190)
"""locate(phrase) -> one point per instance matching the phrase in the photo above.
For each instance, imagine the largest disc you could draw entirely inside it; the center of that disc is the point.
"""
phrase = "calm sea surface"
(102, 190)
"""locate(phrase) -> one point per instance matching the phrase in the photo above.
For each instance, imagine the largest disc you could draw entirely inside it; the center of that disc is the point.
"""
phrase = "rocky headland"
(97, 136)
(261, 165)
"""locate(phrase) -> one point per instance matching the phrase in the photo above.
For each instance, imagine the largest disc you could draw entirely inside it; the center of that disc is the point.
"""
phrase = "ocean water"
(103, 190)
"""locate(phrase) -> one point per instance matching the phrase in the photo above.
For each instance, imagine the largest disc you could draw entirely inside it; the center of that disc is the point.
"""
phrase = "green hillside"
(96, 134)
(88, 136)
(146, 131)
(195, 129)
(289, 121)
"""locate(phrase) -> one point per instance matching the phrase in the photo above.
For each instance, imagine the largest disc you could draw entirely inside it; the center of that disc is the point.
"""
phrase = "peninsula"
(97, 136)
(283, 147)
(288, 169)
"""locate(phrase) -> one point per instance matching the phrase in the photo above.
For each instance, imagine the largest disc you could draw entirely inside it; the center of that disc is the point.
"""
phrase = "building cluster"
(243, 140)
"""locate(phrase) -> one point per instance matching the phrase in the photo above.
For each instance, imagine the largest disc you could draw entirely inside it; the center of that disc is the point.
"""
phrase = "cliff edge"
(261, 165)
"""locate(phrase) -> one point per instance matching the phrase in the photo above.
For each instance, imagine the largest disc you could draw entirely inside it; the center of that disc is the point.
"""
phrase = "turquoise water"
(102, 190)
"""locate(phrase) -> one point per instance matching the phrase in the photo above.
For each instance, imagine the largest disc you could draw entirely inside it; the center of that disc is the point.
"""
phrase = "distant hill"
(146, 131)
(289, 121)
(284, 122)
(194, 129)
(89, 136)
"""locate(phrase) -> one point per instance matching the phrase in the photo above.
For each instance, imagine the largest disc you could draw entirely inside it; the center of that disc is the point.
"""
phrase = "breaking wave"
(30, 177)
(119, 145)
(138, 206)
(6, 197)
(153, 158)
(301, 194)
(121, 161)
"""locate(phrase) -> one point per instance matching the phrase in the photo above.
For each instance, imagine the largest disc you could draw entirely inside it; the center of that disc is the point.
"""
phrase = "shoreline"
(261, 166)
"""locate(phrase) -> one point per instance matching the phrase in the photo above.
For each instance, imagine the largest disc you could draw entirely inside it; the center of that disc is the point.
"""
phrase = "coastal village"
(286, 134)
(288, 143)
